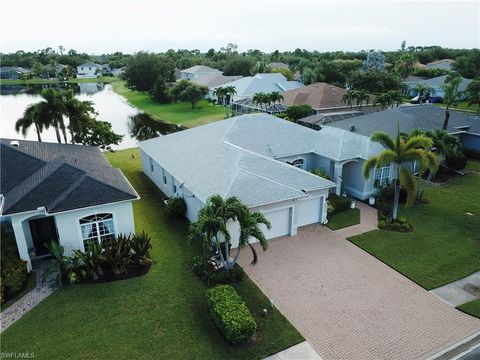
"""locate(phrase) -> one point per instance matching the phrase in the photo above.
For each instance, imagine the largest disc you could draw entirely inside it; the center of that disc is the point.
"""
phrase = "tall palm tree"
(30, 118)
(347, 98)
(362, 96)
(211, 227)
(473, 94)
(450, 97)
(260, 98)
(405, 65)
(397, 152)
(230, 91)
(383, 99)
(395, 97)
(220, 93)
(53, 107)
(79, 113)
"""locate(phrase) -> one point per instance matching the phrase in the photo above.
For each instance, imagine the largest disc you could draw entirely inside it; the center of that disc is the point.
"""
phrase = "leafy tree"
(473, 93)
(468, 65)
(374, 81)
(285, 72)
(238, 65)
(375, 61)
(37, 69)
(211, 228)
(98, 133)
(296, 112)
(406, 65)
(188, 91)
(399, 151)
(79, 113)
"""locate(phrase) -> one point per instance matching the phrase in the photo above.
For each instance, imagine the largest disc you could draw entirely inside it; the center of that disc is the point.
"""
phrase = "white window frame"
(381, 176)
(299, 163)
(102, 228)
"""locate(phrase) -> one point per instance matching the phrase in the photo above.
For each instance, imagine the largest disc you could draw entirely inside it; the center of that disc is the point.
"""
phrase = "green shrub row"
(385, 222)
(230, 314)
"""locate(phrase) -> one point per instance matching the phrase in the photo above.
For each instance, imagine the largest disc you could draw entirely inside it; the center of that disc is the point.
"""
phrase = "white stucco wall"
(84, 72)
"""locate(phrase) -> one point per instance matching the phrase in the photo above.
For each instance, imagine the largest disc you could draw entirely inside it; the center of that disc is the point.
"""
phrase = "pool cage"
(247, 106)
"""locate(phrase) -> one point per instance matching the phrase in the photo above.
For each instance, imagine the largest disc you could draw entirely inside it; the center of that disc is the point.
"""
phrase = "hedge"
(230, 314)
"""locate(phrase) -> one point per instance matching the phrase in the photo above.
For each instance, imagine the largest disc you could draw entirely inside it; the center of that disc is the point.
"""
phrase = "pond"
(110, 106)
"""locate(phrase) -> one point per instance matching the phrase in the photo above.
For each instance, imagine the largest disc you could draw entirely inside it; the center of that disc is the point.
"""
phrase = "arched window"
(299, 163)
(98, 228)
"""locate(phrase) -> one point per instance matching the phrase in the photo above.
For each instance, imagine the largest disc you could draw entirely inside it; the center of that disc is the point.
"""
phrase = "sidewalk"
(461, 291)
(302, 351)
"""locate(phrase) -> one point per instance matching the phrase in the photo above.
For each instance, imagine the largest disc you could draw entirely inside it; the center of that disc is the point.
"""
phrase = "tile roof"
(59, 177)
(250, 85)
(425, 117)
(238, 156)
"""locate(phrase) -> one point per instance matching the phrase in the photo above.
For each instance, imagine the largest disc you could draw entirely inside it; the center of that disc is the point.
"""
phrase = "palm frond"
(407, 181)
(418, 141)
(383, 139)
(368, 166)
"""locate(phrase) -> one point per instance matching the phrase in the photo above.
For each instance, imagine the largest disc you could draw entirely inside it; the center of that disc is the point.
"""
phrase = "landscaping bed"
(163, 314)
(445, 243)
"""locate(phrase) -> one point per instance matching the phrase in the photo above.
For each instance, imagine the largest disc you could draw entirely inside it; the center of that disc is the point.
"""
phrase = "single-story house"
(66, 193)
(425, 117)
(56, 73)
(89, 70)
(265, 161)
(248, 86)
(13, 72)
(443, 64)
(436, 84)
(197, 72)
(214, 80)
(278, 65)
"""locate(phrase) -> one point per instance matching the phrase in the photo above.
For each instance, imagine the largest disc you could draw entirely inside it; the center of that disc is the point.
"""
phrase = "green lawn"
(445, 243)
(162, 314)
(473, 165)
(343, 219)
(175, 113)
(472, 308)
(462, 105)
(103, 79)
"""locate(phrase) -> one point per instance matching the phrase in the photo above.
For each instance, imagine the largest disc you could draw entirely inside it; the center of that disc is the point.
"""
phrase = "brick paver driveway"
(349, 305)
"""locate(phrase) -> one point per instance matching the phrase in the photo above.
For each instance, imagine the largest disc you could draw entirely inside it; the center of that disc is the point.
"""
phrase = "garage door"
(280, 220)
(308, 211)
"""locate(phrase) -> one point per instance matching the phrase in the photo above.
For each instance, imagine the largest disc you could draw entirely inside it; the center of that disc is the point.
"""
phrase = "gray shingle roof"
(59, 177)
(200, 68)
(425, 117)
(237, 157)
(437, 82)
(215, 79)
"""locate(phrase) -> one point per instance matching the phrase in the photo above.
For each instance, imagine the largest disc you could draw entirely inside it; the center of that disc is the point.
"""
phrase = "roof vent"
(14, 143)
(352, 127)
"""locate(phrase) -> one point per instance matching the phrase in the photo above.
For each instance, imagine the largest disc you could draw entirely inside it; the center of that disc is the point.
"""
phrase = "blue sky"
(125, 25)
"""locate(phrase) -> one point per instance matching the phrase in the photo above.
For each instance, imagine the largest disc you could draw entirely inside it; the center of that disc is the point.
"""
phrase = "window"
(89, 68)
(151, 164)
(98, 228)
(174, 188)
(382, 175)
(164, 177)
(299, 163)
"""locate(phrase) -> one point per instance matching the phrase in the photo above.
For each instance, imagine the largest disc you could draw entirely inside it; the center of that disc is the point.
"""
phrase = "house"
(425, 117)
(65, 193)
(436, 84)
(197, 72)
(278, 65)
(443, 64)
(118, 71)
(248, 86)
(214, 80)
(57, 72)
(13, 72)
(89, 70)
(264, 161)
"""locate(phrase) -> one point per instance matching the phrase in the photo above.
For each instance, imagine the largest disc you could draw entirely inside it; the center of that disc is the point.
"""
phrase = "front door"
(43, 231)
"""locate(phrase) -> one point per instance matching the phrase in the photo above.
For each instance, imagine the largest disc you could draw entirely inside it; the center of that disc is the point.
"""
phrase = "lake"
(110, 106)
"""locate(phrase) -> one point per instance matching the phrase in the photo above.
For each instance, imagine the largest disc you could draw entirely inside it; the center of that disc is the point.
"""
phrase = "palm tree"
(405, 65)
(79, 113)
(399, 151)
(211, 227)
(395, 97)
(347, 98)
(450, 96)
(473, 94)
(30, 117)
(220, 93)
(383, 100)
(274, 96)
(53, 108)
(362, 96)
(230, 91)
(260, 98)
(423, 90)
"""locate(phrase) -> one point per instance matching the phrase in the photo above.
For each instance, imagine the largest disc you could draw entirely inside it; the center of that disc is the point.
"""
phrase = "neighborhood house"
(264, 161)
(197, 72)
(89, 70)
(68, 194)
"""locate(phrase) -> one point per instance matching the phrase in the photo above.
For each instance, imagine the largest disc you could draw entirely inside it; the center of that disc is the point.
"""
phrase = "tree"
(220, 93)
(230, 91)
(51, 111)
(397, 152)
(383, 99)
(395, 97)
(285, 72)
(296, 112)
(423, 90)
(468, 65)
(30, 118)
(451, 96)
(473, 94)
(374, 81)
(362, 96)
(275, 96)
(211, 227)
(375, 61)
(79, 113)
(37, 69)
(188, 91)
(238, 65)
(98, 133)
(348, 97)
(260, 98)
(406, 65)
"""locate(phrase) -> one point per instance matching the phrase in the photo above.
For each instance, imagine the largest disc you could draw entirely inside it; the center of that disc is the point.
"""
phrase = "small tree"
(296, 112)
(187, 91)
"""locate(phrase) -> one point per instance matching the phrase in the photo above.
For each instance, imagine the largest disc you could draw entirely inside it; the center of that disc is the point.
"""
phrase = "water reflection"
(88, 88)
(142, 127)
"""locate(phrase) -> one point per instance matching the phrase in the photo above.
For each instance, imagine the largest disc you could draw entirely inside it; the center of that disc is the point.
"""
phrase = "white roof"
(236, 157)
(200, 69)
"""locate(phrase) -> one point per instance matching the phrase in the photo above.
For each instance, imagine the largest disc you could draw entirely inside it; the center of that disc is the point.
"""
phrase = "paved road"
(349, 305)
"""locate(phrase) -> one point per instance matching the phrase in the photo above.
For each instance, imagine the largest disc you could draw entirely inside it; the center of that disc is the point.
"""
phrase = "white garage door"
(280, 221)
(308, 211)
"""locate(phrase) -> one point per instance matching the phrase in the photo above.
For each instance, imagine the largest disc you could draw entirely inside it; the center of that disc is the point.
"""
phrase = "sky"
(105, 26)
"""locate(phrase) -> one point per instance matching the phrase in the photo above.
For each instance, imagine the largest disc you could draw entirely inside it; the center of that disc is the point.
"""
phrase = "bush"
(14, 276)
(456, 162)
(230, 314)
(320, 172)
(211, 276)
(176, 208)
(339, 203)
(385, 222)
(296, 112)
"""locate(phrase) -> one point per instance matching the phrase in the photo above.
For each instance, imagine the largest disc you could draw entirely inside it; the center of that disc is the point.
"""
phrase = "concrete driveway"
(349, 305)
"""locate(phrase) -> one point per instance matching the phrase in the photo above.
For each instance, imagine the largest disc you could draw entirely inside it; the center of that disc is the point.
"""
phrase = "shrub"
(14, 276)
(385, 222)
(320, 172)
(141, 244)
(176, 207)
(230, 314)
(456, 162)
(296, 112)
(339, 203)
(211, 276)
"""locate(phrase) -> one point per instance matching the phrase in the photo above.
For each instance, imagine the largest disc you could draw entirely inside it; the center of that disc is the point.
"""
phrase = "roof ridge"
(271, 180)
(67, 192)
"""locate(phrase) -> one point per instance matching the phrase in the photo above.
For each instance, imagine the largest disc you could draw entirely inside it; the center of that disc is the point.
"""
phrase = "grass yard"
(162, 314)
(471, 308)
(462, 105)
(473, 165)
(103, 79)
(343, 219)
(445, 243)
(175, 113)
